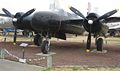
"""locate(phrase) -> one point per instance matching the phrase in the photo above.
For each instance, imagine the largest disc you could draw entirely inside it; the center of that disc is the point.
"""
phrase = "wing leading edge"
(112, 19)
(73, 22)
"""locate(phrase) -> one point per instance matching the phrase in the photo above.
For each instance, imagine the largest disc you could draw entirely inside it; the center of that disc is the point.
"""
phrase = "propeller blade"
(15, 35)
(27, 13)
(7, 12)
(4, 15)
(108, 14)
(78, 12)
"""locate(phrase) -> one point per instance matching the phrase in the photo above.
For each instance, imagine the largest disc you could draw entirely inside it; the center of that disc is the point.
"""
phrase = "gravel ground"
(68, 53)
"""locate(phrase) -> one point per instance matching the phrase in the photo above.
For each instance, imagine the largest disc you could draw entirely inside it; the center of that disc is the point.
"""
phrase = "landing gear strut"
(38, 40)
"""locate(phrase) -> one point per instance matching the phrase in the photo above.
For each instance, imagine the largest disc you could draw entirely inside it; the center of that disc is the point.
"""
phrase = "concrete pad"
(49, 54)
(95, 51)
(22, 60)
(6, 65)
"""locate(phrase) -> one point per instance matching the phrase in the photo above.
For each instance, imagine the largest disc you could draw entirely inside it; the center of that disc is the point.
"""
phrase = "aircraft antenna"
(89, 8)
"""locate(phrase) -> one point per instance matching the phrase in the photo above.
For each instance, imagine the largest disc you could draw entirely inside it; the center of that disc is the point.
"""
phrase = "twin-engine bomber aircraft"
(45, 24)
(49, 24)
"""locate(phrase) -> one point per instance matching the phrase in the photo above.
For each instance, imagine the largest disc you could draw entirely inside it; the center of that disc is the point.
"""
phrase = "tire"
(38, 40)
(99, 44)
(25, 33)
(45, 47)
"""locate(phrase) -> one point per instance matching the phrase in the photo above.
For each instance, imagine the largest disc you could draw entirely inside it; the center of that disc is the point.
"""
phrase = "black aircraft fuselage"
(54, 23)
(49, 22)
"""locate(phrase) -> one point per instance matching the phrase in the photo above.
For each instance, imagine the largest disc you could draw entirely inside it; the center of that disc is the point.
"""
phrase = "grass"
(47, 69)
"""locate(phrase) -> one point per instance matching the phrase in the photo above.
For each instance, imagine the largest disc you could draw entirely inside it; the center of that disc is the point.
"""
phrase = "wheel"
(113, 33)
(38, 40)
(25, 33)
(99, 44)
(45, 47)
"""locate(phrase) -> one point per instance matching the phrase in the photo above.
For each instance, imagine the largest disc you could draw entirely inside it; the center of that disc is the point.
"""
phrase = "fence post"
(2, 53)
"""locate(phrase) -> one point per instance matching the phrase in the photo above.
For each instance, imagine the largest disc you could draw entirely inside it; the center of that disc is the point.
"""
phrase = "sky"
(98, 6)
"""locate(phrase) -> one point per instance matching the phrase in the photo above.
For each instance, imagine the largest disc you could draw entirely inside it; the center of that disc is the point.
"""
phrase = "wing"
(74, 26)
(112, 19)
(73, 21)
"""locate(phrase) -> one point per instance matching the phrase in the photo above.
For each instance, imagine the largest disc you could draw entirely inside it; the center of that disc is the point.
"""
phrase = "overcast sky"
(102, 6)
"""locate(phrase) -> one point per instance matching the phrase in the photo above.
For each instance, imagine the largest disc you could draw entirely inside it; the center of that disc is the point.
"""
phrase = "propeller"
(27, 13)
(17, 20)
(7, 12)
(78, 12)
(90, 22)
(106, 15)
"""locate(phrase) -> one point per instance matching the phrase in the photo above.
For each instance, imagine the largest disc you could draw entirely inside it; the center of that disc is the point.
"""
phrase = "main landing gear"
(99, 44)
(38, 40)
(43, 43)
